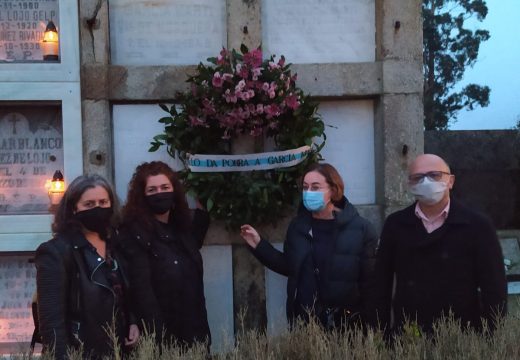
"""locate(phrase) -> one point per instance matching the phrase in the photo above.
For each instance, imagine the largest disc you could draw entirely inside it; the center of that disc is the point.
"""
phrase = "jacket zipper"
(97, 283)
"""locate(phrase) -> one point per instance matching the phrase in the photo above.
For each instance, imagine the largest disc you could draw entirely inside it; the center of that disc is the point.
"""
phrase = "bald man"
(442, 256)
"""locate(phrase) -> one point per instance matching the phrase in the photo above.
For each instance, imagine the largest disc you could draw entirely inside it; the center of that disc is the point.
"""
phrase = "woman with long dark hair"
(81, 282)
(328, 253)
(163, 241)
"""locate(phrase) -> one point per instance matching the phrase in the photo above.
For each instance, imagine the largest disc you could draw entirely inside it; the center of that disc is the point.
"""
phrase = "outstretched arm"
(264, 251)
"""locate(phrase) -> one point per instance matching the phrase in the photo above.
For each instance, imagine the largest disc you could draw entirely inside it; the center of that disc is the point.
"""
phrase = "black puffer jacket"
(347, 281)
(167, 278)
(75, 297)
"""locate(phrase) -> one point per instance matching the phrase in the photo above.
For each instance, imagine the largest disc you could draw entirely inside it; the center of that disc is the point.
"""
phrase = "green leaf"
(244, 49)
(164, 107)
(209, 204)
(154, 147)
(165, 120)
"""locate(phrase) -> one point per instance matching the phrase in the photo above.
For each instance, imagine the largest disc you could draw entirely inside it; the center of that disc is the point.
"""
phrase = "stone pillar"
(244, 27)
(244, 23)
(97, 126)
(399, 111)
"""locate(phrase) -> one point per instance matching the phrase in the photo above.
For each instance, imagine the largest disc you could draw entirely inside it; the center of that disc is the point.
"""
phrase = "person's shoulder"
(58, 242)
(406, 213)
(469, 214)
(56, 248)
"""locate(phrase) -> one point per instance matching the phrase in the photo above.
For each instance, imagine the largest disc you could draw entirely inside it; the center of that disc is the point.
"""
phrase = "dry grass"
(309, 341)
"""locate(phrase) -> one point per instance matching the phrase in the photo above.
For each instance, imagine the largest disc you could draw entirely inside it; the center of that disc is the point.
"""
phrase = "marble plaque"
(22, 24)
(275, 299)
(319, 31)
(17, 284)
(166, 32)
(134, 129)
(350, 146)
(31, 150)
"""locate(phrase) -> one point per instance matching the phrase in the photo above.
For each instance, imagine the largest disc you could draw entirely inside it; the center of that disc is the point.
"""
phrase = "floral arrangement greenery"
(241, 94)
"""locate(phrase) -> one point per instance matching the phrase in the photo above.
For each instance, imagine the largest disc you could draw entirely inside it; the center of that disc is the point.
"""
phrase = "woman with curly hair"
(162, 242)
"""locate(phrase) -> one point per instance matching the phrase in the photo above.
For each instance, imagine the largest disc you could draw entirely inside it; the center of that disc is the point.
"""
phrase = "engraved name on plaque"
(17, 284)
(166, 32)
(22, 24)
(325, 31)
(31, 150)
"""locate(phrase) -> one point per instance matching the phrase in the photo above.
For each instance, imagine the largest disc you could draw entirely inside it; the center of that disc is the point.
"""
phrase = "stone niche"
(166, 32)
(17, 284)
(326, 31)
(22, 24)
(31, 150)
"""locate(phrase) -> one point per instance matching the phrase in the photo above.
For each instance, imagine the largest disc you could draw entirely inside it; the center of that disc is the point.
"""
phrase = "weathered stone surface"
(97, 138)
(399, 30)
(399, 139)
(403, 77)
(347, 79)
(94, 31)
(248, 290)
(147, 82)
(244, 23)
(486, 164)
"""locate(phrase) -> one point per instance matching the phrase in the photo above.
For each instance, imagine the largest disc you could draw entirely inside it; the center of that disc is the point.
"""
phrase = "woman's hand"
(133, 335)
(250, 235)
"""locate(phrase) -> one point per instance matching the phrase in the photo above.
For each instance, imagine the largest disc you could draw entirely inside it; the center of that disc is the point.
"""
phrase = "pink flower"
(272, 111)
(227, 77)
(259, 108)
(196, 121)
(222, 58)
(292, 101)
(217, 80)
(244, 72)
(253, 58)
(273, 65)
(256, 73)
(240, 86)
(281, 62)
(229, 97)
(208, 108)
(265, 87)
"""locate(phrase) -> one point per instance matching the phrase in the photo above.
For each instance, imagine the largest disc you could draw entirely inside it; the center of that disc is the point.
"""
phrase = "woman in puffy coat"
(162, 242)
(81, 281)
(328, 253)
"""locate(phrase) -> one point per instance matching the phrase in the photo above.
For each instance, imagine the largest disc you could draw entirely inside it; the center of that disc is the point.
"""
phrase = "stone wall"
(486, 164)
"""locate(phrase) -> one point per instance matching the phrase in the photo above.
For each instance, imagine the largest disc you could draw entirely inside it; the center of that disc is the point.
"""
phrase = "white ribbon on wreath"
(247, 162)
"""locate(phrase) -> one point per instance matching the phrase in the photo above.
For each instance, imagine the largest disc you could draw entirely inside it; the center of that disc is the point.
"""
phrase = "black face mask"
(161, 202)
(96, 219)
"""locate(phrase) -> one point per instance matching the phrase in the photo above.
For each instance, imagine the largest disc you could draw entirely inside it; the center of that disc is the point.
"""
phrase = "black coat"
(347, 282)
(163, 296)
(75, 297)
(458, 266)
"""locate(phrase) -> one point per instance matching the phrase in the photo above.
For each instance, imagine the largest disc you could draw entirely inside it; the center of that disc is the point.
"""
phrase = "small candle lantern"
(51, 43)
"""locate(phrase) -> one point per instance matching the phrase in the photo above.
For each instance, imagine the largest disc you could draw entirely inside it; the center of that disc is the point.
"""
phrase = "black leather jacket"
(75, 299)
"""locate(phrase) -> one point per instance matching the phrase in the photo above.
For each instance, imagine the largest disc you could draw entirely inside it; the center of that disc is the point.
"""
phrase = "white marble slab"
(218, 288)
(166, 32)
(17, 286)
(134, 129)
(319, 31)
(276, 295)
(350, 146)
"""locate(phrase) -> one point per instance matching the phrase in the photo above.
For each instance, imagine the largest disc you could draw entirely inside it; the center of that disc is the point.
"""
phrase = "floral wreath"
(240, 94)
